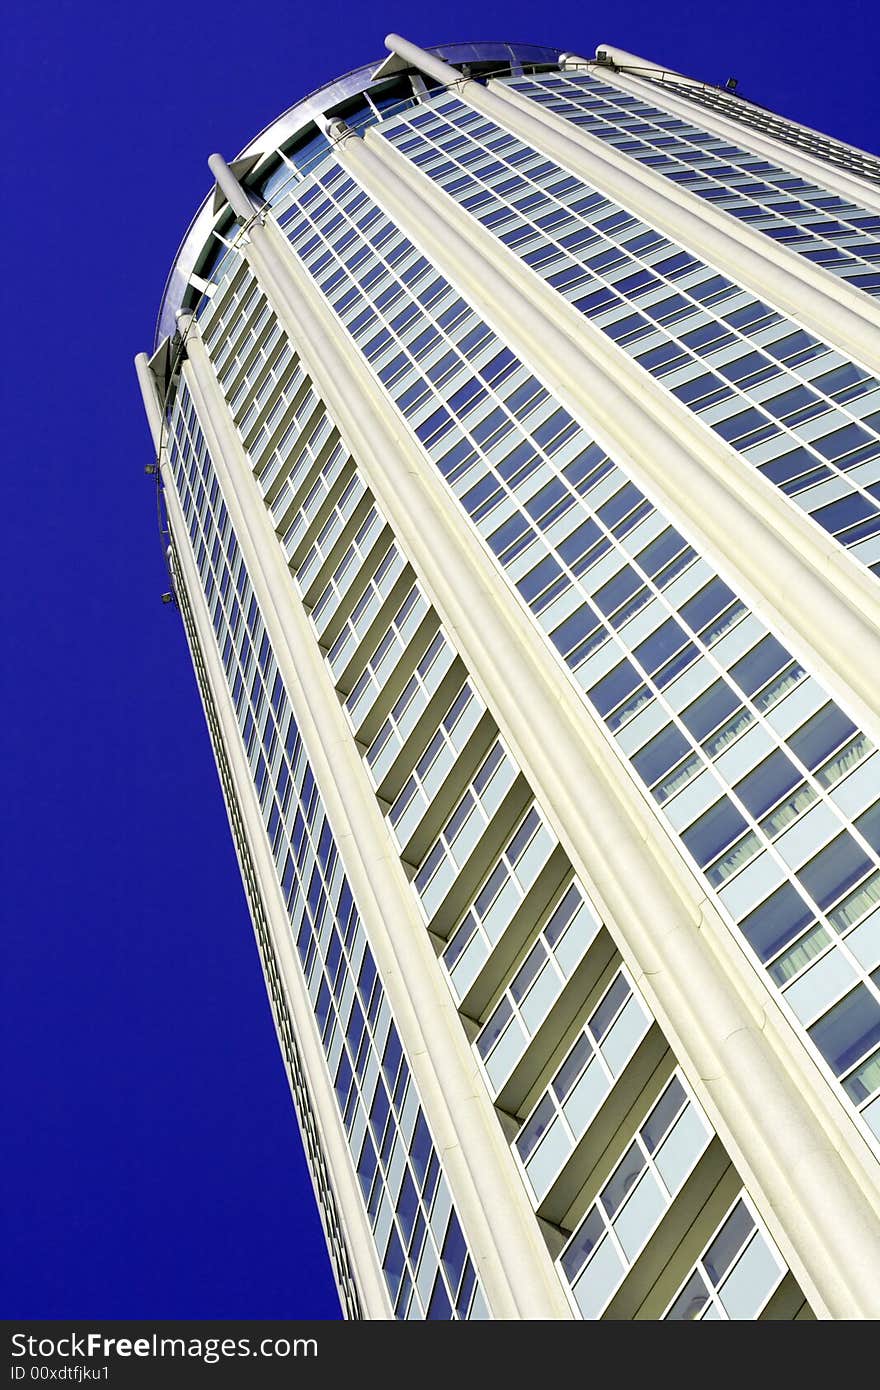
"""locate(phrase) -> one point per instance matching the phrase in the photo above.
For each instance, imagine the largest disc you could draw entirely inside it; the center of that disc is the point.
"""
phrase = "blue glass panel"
(777, 921)
(849, 1030)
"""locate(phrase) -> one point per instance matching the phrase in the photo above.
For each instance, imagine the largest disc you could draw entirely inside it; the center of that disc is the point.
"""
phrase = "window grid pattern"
(294, 528)
(811, 220)
(418, 1239)
(571, 1101)
(348, 570)
(270, 362)
(457, 840)
(664, 1151)
(571, 925)
(435, 763)
(379, 586)
(551, 961)
(824, 147)
(805, 416)
(330, 532)
(249, 321)
(482, 797)
(256, 367)
(506, 886)
(279, 417)
(239, 292)
(387, 656)
(735, 1276)
(409, 706)
(311, 1138)
(698, 695)
(290, 446)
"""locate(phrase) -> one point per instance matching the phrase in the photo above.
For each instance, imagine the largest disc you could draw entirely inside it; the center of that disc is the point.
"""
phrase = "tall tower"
(517, 420)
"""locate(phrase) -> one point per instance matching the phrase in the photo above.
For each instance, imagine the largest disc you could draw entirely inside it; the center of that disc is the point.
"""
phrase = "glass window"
(777, 921)
(818, 738)
(834, 870)
(715, 829)
(663, 752)
(711, 708)
(767, 784)
(762, 662)
(728, 1243)
(849, 1030)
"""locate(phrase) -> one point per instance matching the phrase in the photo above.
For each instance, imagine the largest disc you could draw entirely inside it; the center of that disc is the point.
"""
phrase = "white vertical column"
(509, 1253)
(793, 1141)
(828, 305)
(623, 71)
(823, 303)
(816, 595)
(355, 1227)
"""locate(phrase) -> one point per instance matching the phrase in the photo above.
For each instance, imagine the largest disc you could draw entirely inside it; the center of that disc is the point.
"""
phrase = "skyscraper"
(519, 444)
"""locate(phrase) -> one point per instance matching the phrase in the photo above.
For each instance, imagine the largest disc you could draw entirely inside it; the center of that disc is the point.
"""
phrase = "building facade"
(518, 441)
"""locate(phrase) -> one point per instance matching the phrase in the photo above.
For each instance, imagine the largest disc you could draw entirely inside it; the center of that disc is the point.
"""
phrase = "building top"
(358, 96)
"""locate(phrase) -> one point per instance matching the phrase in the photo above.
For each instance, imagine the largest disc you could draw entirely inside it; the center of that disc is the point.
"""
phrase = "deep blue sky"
(153, 1166)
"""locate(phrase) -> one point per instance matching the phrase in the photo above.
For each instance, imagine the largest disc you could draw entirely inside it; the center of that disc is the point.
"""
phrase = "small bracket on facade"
(410, 55)
(230, 190)
(162, 364)
(555, 1237)
(390, 66)
(334, 128)
(239, 169)
(574, 60)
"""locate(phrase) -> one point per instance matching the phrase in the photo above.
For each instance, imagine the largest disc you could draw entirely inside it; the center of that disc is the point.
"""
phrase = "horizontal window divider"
(554, 1237)
(451, 789)
(609, 1133)
(786, 1303)
(397, 678)
(491, 842)
(340, 544)
(508, 1122)
(499, 962)
(666, 1256)
(562, 1023)
(415, 742)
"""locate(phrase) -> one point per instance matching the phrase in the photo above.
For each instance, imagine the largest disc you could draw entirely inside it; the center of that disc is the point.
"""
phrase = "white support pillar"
(830, 307)
(625, 71)
(794, 285)
(511, 1258)
(331, 1133)
(231, 189)
(150, 398)
(803, 1158)
(606, 52)
(816, 595)
(425, 62)
(569, 61)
